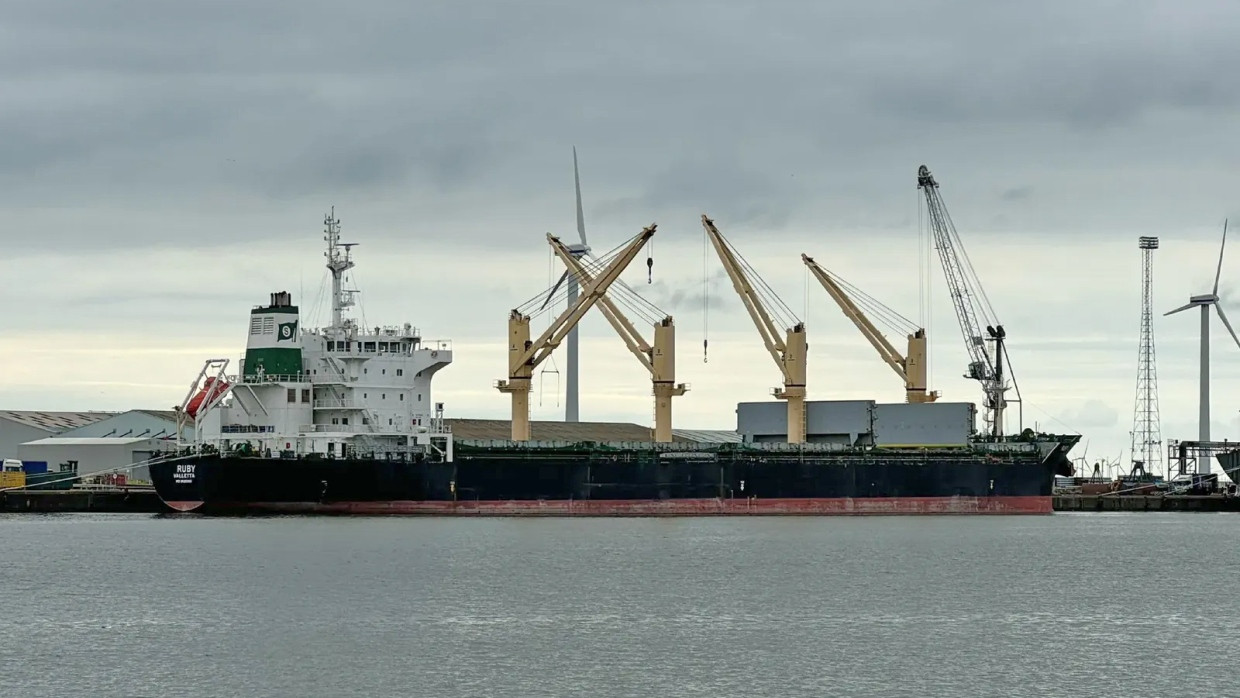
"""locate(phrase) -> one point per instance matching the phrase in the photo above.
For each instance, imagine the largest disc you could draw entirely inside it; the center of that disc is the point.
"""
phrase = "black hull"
(611, 483)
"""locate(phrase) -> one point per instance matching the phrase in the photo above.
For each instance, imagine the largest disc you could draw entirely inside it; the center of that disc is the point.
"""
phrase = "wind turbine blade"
(1223, 316)
(554, 288)
(1221, 247)
(1182, 307)
(581, 218)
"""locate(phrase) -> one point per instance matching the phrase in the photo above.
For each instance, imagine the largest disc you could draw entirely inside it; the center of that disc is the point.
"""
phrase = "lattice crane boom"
(970, 302)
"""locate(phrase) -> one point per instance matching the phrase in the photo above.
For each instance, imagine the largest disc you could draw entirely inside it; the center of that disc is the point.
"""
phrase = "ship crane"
(659, 360)
(970, 302)
(911, 367)
(789, 352)
(525, 355)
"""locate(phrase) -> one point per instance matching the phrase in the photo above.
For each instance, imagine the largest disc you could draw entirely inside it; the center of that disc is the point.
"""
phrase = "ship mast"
(339, 260)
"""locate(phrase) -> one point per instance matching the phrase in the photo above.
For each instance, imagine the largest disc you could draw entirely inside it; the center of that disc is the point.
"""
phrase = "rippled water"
(1065, 605)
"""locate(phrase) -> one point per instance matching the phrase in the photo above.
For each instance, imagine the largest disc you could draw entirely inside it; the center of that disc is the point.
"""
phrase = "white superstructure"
(335, 391)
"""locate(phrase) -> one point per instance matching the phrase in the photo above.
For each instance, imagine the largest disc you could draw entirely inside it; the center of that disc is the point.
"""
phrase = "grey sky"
(147, 143)
(775, 113)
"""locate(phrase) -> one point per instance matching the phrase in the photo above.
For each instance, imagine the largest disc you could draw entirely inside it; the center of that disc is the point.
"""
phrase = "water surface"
(1065, 605)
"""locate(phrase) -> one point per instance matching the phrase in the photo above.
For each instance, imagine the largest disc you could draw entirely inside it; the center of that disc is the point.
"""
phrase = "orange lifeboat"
(211, 387)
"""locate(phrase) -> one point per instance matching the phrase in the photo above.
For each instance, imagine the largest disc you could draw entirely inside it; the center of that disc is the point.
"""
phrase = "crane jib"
(969, 301)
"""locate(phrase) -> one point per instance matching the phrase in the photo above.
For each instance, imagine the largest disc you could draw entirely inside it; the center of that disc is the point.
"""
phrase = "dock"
(1146, 502)
(118, 500)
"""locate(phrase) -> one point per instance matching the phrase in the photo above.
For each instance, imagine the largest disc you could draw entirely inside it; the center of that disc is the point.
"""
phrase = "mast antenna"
(1146, 429)
(339, 260)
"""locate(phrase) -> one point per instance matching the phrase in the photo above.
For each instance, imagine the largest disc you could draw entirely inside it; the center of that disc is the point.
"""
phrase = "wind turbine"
(1204, 301)
(571, 404)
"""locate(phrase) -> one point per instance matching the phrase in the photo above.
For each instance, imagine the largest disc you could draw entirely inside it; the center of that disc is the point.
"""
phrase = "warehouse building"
(151, 424)
(94, 455)
(20, 426)
(92, 442)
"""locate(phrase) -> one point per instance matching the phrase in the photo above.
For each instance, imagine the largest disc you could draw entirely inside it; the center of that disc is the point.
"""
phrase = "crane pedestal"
(663, 376)
(520, 376)
(915, 371)
(795, 395)
(795, 350)
(519, 389)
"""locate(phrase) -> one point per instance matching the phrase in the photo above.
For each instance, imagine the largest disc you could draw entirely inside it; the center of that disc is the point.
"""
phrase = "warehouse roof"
(170, 415)
(707, 436)
(54, 422)
(89, 441)
(501, 429)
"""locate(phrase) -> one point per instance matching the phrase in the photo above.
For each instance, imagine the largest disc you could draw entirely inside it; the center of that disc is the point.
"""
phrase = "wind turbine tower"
(1146, 422)
(571, 405)
(1205, 301)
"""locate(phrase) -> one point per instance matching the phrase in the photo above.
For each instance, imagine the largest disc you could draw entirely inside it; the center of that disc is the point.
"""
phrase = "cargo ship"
(342, 419)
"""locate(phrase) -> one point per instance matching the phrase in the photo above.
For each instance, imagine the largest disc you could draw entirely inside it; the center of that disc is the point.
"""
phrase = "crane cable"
(705, 293)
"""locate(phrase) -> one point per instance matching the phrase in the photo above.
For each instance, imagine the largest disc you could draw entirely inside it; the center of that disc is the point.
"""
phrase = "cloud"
(798, 119)
(1091, 414)
(690, 296)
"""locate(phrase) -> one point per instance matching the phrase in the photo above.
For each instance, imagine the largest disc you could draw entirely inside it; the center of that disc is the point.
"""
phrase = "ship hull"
(606, 485)
(886, 506)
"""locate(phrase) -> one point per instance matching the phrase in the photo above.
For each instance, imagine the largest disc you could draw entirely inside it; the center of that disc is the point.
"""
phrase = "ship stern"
(180, 481)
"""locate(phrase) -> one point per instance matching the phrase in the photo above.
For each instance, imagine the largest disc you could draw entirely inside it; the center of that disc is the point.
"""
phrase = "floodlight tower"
(1146, 421)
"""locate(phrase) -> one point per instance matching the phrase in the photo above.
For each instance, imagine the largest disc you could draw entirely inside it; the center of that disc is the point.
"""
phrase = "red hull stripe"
(642, 507)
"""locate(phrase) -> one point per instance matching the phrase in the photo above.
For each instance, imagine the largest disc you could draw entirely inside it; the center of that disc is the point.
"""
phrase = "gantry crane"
(970, 301)
(789, 353)
(659, 360)
(912, 366)
(524, 356)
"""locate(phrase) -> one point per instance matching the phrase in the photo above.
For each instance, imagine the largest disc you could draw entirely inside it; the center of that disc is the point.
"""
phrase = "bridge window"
(400, 372)
(292, 395)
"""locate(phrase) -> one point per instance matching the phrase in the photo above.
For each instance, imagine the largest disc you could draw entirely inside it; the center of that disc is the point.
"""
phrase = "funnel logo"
(287, 331)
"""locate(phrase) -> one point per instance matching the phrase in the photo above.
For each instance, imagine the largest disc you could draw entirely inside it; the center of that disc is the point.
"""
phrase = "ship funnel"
(273, 347)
